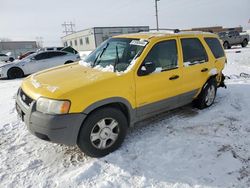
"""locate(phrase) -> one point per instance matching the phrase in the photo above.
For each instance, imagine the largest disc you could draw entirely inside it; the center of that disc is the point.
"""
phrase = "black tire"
(11, 59)
(68, 62)
(244, 43)
(226, 45)
(206, 98)
(92, 127)
(15, 73)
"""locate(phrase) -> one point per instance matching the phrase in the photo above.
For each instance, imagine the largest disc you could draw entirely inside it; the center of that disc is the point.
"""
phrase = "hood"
(11, 64)
(57, 82)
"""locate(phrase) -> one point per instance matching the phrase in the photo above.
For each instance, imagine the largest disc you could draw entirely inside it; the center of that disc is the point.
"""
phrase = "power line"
(68, 28)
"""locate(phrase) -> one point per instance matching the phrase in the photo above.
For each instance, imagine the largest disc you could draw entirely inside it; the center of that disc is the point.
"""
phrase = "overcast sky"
(29, 19)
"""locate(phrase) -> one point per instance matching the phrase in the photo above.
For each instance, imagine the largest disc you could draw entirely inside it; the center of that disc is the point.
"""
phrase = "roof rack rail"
(166, 29)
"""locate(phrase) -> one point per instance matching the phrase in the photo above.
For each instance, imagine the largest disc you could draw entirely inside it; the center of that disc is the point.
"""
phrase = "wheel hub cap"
(104, 133)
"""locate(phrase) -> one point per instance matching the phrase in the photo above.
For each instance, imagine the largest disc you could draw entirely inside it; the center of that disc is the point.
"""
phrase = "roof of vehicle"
(163, 34)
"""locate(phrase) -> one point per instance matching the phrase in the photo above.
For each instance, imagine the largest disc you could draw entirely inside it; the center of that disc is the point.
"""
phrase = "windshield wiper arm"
(100, 55)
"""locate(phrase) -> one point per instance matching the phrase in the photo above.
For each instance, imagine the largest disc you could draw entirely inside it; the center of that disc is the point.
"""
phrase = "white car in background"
(36, 62)
(5, 58)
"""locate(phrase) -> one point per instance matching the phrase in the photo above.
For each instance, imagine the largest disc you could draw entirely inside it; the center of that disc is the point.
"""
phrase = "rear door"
(56, 58)
(196, 64)
(218, 53)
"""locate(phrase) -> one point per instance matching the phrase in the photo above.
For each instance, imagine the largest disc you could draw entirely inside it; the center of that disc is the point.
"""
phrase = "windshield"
(116, 52)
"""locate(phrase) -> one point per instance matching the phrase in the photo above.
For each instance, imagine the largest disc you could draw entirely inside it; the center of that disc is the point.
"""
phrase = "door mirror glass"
(147, 68)
(31, 59)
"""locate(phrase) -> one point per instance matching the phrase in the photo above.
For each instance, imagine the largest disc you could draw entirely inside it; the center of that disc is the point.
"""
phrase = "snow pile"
(109, 68)
(84, 54)
(84, 63)
(186, 147)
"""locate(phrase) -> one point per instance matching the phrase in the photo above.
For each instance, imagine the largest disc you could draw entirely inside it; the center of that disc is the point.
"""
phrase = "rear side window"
(164, 55)
(193, 51)
(215, 47)
(56, 54)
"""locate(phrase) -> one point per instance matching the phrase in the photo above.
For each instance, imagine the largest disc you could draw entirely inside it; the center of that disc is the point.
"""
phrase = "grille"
(25, 98)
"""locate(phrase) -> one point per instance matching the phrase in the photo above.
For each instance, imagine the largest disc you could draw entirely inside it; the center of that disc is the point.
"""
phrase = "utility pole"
(156, 15)
(68, 28)
(39, 42)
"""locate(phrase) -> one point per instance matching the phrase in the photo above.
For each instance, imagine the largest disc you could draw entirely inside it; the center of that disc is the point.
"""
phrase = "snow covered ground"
(186, 147)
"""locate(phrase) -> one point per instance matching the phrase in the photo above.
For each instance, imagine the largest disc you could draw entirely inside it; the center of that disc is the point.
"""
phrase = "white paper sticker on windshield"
(139, 42)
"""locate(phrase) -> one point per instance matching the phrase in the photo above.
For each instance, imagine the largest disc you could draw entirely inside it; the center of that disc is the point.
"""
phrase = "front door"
(38, 63)
(159, 90)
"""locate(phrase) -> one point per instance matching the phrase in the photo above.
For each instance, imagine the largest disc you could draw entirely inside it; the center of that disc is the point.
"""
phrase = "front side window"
(41, 56)
(116, 52)
(193, 51)
(215, 47)
(164, 55)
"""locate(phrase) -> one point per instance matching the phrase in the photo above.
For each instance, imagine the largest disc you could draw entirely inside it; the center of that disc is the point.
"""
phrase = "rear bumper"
(62, 129)
(222, 83)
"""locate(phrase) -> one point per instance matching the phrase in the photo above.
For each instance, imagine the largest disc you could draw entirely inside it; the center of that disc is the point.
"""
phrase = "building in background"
(216, 29)
(17, 48)
(89, 39)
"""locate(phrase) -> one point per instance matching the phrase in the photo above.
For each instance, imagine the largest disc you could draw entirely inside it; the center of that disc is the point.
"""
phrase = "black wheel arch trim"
(15, 67)
(110, 101)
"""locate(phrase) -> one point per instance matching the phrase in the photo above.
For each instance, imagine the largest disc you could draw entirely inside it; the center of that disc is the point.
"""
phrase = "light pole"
(156, 15)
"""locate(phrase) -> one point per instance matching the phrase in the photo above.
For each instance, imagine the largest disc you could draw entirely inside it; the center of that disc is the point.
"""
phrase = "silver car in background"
(36, 62)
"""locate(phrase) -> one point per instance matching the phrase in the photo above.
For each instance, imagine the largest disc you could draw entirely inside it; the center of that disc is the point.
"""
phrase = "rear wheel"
(103, 132)
(207, 95)
(226, 45)
(15, 73)
(244, 43)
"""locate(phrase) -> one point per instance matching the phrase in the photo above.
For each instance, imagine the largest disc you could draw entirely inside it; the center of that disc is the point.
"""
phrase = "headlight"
(50, 106)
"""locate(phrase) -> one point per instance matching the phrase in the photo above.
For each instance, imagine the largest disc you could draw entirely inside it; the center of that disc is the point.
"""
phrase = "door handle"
(174, 77)
(204, 70)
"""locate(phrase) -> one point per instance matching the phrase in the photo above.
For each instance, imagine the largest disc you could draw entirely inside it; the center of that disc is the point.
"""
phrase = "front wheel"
(103, 132)
(207, 96)
(15, 73)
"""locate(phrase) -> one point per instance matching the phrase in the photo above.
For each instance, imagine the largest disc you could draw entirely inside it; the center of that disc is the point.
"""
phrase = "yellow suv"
(126, 79)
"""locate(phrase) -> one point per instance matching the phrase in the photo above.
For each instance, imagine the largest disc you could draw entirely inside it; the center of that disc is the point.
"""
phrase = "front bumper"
(62, 129)
(3, 73)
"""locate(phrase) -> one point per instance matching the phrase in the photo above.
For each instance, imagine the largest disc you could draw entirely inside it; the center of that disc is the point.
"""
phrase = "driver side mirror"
(147, 68)
(32, 59)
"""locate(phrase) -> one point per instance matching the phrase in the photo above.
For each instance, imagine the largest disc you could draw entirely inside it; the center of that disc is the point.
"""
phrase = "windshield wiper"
(117, 60)
(100, 55)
